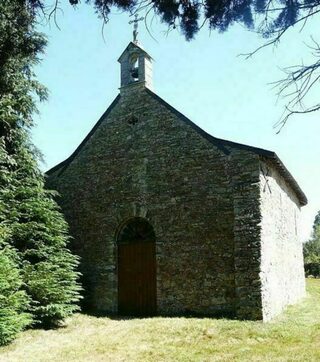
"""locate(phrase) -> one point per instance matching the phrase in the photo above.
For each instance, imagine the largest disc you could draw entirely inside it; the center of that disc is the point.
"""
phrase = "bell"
(135, 73)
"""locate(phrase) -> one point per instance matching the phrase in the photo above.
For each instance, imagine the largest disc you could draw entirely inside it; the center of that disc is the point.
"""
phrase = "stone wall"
(159, 168)
(247, 218)
(282, 273)
(222, 236)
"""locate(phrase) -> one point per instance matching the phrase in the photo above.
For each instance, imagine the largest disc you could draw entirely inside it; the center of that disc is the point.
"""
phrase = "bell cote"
(136, 66)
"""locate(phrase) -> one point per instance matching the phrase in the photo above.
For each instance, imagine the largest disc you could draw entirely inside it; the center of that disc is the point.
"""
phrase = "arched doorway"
(136, 269)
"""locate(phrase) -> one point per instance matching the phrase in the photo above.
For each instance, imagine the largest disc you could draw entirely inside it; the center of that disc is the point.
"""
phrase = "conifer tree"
(13, 299)
(33, 233)
(39, 233)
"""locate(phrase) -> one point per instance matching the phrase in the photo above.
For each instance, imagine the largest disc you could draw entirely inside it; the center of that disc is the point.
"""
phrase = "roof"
(135, 45)
(218, 142)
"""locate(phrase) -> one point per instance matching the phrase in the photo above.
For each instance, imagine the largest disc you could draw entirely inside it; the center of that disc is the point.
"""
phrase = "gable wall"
(199, 200)
(282, 272)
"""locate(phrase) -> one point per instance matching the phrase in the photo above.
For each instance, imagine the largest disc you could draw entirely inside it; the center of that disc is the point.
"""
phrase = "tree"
(13, 300)
(32, 227)
(39, 233)
(311, 250)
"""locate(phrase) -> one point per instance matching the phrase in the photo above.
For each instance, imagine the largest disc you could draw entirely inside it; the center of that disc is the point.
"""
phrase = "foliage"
(33, 226)
(311, 250)
(294, 336)
(270, 18)
(190, 15)
(13, 300)
(39, 233)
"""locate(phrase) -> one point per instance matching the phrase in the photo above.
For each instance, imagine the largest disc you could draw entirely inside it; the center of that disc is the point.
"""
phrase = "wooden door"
(137, 278)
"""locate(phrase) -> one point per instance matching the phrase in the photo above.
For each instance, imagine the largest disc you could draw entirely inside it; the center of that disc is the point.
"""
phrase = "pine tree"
(39, 233)
(34, 228)
(13, 299)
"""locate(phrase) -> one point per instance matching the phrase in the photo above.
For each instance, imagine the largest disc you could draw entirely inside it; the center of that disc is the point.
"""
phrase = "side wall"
(282, 272)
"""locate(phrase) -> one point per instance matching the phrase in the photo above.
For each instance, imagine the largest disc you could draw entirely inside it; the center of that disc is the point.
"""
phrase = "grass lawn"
(294, 336)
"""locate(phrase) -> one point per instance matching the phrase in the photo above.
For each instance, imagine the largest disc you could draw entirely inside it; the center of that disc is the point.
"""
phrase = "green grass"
(294, 336)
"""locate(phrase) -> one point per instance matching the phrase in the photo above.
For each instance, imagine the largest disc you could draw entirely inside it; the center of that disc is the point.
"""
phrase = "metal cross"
(135, 26)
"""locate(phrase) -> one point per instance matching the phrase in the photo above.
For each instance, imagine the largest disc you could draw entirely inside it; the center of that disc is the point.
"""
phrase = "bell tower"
(135, 62)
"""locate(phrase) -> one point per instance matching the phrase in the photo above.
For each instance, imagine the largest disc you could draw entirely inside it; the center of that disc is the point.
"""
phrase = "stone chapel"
(169, 220)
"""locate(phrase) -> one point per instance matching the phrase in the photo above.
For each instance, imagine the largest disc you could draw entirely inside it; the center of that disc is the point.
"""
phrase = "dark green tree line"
(311, 250)
(38, 277)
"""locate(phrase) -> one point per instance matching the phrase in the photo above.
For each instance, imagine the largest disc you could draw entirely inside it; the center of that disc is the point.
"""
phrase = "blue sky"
(206, 79)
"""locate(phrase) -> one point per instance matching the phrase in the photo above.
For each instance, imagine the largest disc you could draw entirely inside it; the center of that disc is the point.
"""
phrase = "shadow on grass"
(187, 314)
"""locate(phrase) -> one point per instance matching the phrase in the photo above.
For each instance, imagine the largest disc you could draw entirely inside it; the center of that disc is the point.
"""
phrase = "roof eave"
(64, 164)
(222, 144)
(290, 179)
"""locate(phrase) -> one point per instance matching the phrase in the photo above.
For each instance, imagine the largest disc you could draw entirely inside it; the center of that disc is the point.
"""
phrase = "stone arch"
(135, 228)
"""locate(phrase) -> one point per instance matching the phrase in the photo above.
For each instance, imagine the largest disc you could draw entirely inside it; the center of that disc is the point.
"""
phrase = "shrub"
(312, 266)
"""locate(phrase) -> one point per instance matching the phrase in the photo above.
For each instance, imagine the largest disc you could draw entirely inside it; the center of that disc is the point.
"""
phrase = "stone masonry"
(281, 272)
(225, 215)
